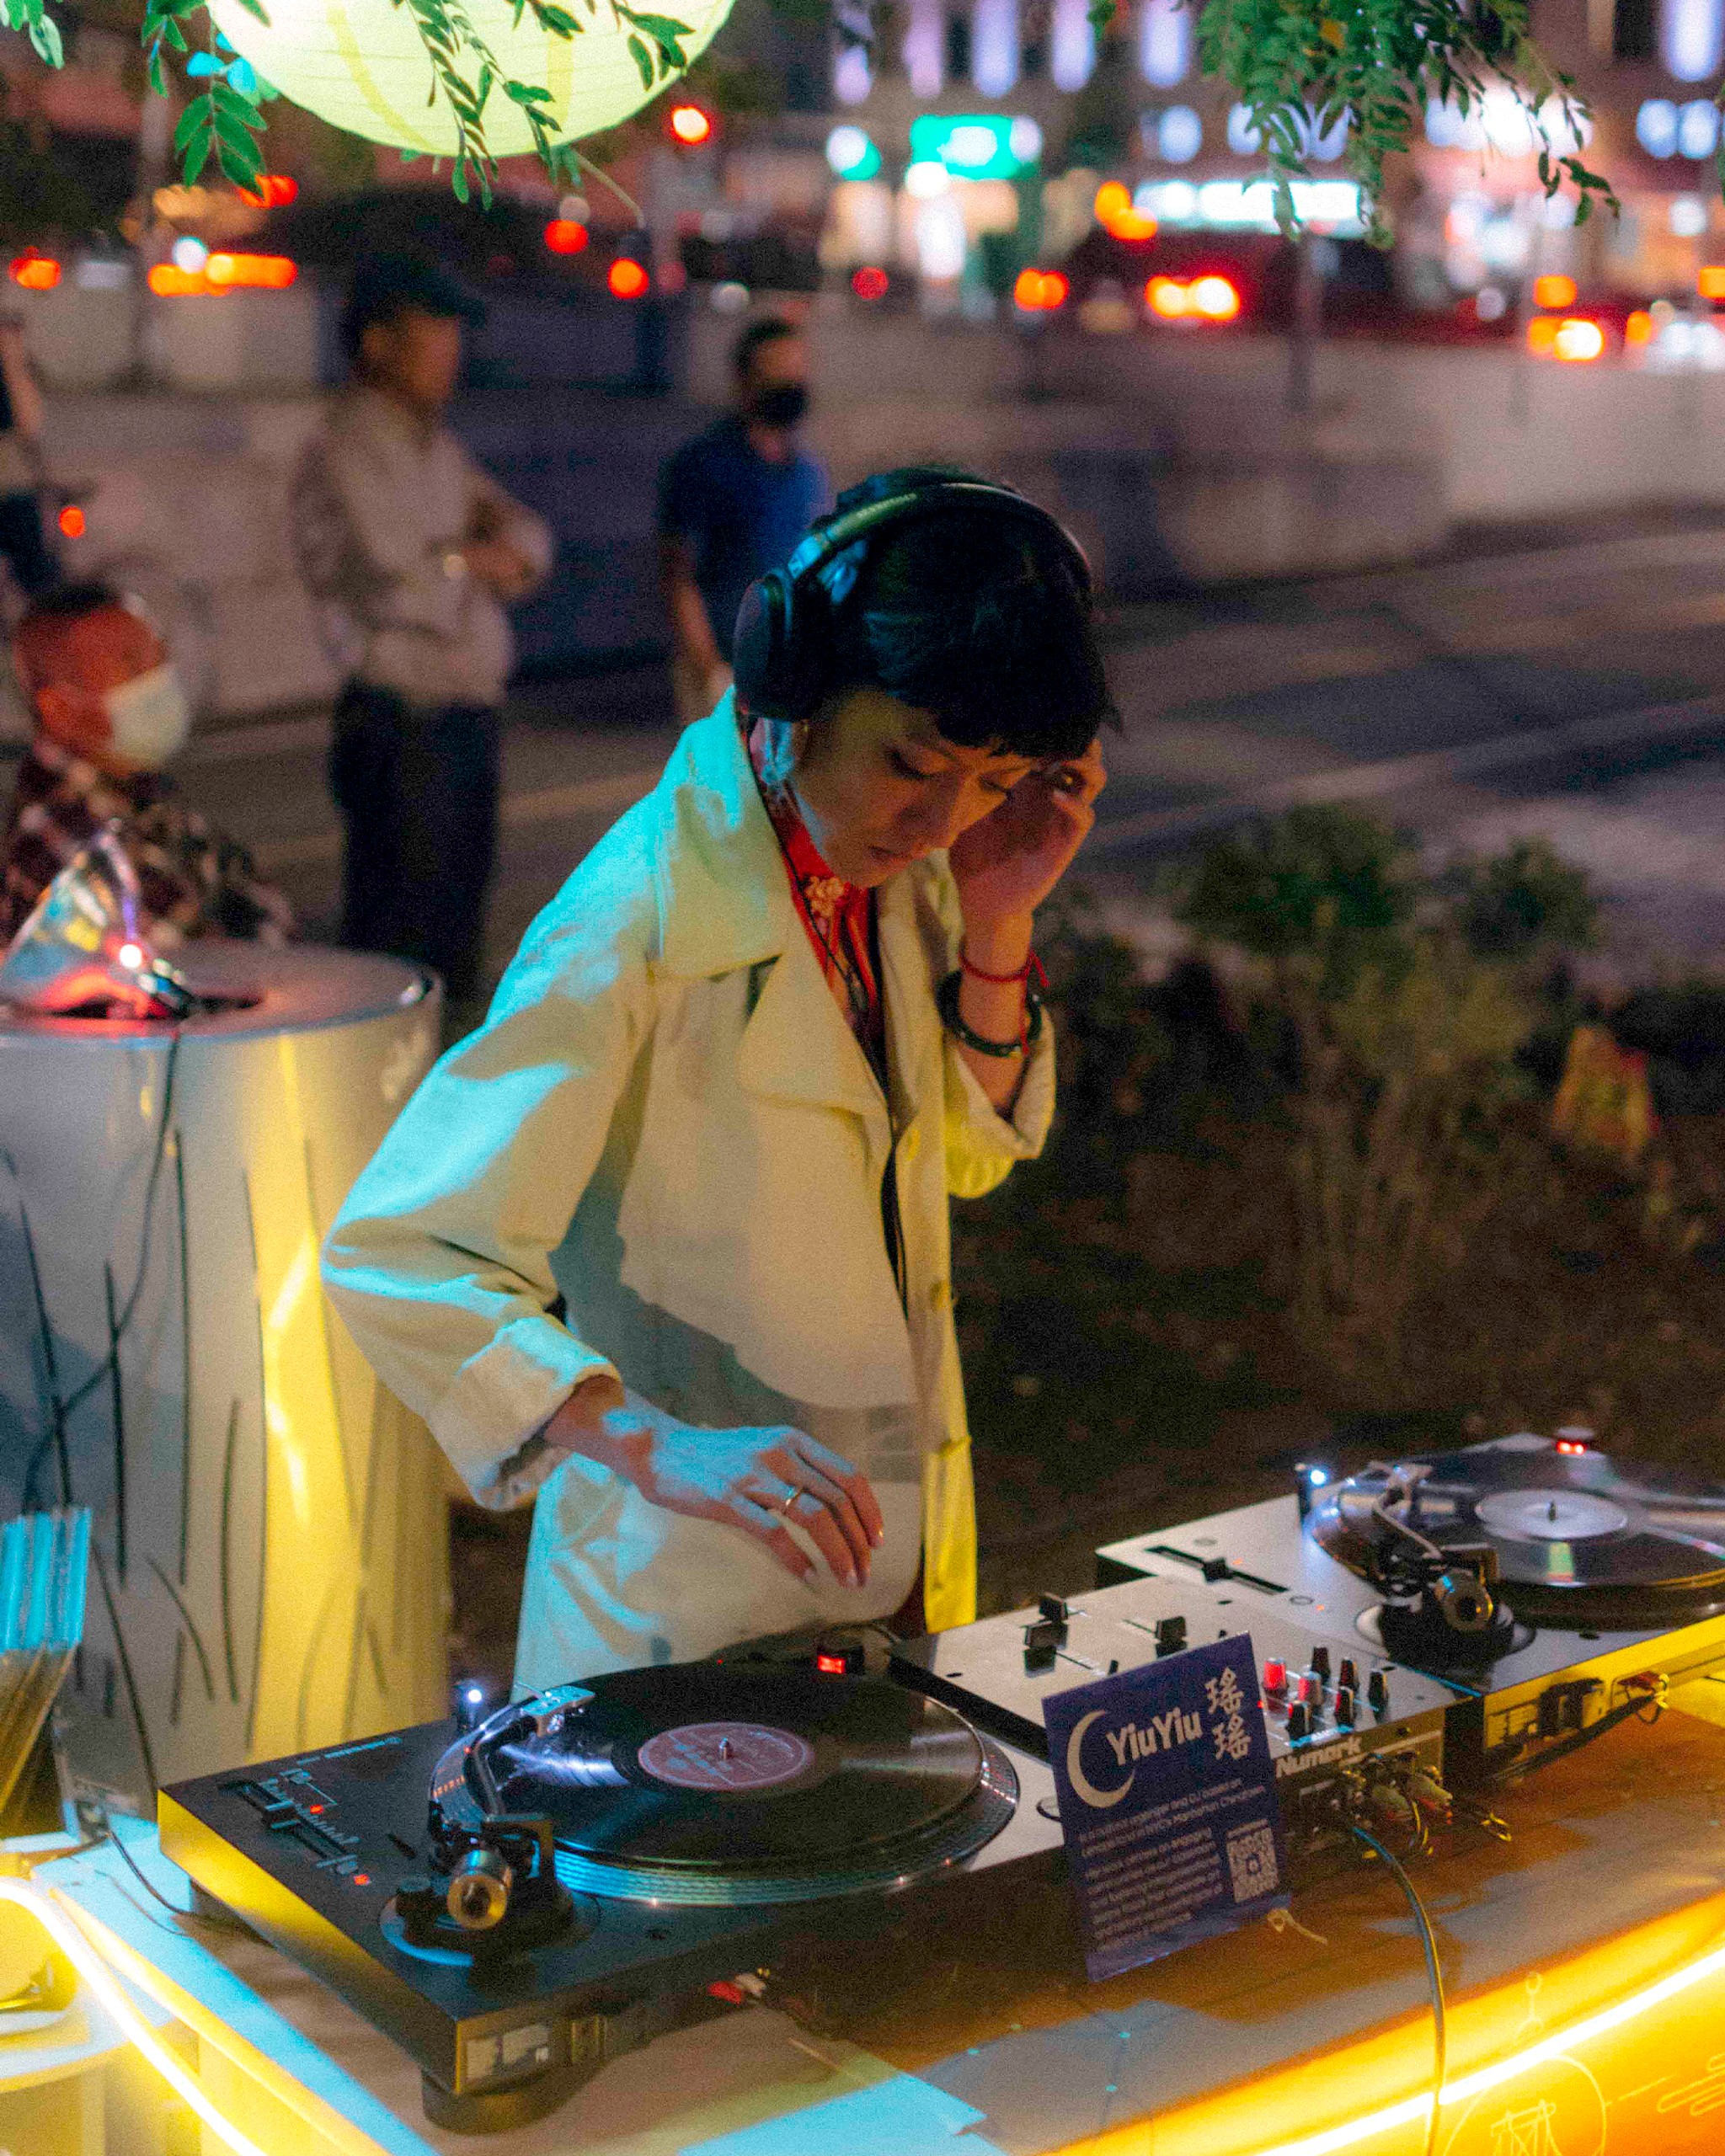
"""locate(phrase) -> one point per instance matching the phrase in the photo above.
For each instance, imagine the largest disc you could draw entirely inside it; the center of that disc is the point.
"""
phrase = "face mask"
(150, 716)
(782, 406)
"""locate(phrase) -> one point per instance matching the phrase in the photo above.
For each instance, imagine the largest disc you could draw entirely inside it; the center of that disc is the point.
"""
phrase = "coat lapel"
(725, 903)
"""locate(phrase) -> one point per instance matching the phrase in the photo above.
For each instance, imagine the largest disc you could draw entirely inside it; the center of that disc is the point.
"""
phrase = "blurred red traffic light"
(36, 273)
(870, 284)
(274, 190)
(627, 278)
(1040, 292)
(72, 520)
(690, 126)
(565, 236)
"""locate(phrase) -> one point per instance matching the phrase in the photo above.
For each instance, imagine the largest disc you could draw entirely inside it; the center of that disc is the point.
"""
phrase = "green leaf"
(196, 158)
(643, 60)
(242, 171)
(192, 122)
(176, 37)
(256, 7)
(458, 181)
(529, 94)
(157, 81)
(44, 37)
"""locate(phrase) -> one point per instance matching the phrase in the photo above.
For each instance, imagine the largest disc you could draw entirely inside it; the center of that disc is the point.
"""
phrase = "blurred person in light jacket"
(412, 552)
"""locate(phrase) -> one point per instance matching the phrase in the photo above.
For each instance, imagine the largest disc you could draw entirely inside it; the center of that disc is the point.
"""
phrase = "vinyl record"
(706, 1783)
(1580, 1539)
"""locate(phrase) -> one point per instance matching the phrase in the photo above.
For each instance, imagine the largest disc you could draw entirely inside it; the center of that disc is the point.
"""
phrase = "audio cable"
(1435, 1977)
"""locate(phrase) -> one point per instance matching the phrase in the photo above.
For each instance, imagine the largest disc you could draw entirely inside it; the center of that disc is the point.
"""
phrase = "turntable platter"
(713, 1783)
(1580, 1539)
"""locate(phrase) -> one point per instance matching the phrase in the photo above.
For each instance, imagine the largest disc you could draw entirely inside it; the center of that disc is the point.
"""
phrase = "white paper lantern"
(359, 65)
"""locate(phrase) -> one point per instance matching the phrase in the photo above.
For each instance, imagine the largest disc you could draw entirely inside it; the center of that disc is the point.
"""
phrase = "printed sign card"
(1167, 1796)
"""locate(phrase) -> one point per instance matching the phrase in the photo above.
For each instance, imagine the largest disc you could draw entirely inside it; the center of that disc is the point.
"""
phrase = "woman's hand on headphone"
(1006, 864)
(760, 1481)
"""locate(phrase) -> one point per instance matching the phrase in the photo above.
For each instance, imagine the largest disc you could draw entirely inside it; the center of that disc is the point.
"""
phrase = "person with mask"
(110, 711)
(733, 504)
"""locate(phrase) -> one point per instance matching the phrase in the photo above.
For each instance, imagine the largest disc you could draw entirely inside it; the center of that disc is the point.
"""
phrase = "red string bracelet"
(1032, 965)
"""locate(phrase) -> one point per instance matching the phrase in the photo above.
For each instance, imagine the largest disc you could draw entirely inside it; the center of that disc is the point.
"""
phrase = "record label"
(728, 1757)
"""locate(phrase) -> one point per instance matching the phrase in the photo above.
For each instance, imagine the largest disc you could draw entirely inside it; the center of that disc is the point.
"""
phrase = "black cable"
(1435, 1976)
(180, 1915)
(1519, 1769)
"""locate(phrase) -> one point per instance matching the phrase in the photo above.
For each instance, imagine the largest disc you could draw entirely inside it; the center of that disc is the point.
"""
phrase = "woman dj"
(666, 1240)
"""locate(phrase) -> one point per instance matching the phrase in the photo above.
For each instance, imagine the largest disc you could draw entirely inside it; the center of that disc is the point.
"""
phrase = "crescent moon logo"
(1099, 1799)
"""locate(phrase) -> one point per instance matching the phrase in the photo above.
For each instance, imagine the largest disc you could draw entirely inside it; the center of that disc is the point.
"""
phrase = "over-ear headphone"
(782, 650)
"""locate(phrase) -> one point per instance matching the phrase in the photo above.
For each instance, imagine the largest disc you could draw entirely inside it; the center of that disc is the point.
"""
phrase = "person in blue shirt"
(733, 503)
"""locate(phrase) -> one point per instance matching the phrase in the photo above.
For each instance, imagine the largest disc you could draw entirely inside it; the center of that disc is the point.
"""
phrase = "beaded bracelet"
(945, 998)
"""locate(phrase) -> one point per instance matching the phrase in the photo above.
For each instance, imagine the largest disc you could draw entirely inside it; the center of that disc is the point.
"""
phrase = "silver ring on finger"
(790, 1498)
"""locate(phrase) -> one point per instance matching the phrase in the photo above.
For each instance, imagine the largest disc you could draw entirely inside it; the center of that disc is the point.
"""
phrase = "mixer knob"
(1309, 1691)
(1275, 1675)
(1170, 1635)
(1344, 1707)
(1321, 1662)
(1298, 1723)
(1377, 1692)
(1347, 1674)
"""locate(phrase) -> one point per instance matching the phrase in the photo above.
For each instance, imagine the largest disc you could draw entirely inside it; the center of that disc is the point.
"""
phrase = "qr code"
(1251, 1859)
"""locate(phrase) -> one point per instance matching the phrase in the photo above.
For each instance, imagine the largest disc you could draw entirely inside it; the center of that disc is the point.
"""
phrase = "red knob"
(1275, 1676)
(1310, 1689)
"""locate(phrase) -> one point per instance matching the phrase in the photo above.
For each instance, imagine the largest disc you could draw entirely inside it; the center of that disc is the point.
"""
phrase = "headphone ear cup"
(807, 650)
(758, 646)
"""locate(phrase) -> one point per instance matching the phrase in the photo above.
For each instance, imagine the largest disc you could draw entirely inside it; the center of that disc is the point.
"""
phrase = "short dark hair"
(770, 329)
(387, 286)
(69, 602)
(983, 619)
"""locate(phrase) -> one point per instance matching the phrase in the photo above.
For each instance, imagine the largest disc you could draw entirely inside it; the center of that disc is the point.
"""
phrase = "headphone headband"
(780, 659)
(843, 530)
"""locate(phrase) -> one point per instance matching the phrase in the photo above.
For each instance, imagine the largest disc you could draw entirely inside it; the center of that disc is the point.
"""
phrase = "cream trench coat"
(661, 1158)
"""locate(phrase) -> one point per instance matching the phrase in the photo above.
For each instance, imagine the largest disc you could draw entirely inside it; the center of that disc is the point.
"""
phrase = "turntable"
(1553, 1590)
(589, 1859)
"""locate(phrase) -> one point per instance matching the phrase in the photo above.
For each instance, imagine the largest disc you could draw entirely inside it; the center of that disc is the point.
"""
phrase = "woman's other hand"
(759, 1480)
(1006, 864)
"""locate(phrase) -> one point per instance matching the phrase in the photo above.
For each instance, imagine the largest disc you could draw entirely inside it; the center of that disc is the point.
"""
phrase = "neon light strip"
(53, 1914)
(1470, 2085)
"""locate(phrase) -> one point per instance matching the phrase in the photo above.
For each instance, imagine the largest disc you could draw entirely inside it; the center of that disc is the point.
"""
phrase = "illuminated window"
(1690, 39)
(1656, 127)
(1325, 146)
(1164, 42)
(1072, 45)
(1244, 137)
(994, 47)
(1179, 135)
(924, 47)
(1698, 129)
(853, 78)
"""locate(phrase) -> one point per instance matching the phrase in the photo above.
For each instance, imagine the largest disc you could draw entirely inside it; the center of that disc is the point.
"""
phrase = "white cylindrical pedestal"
(270, 1566)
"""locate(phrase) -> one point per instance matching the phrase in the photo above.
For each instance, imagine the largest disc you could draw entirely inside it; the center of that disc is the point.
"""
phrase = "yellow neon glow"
(53, 1913)
(1467, 2086)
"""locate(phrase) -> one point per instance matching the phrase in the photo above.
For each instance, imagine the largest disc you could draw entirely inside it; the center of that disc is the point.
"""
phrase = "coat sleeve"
(981, 1144)
(439, 1260)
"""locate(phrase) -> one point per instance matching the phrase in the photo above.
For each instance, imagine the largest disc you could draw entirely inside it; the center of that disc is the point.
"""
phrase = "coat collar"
(725, 903)
(724, 900)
